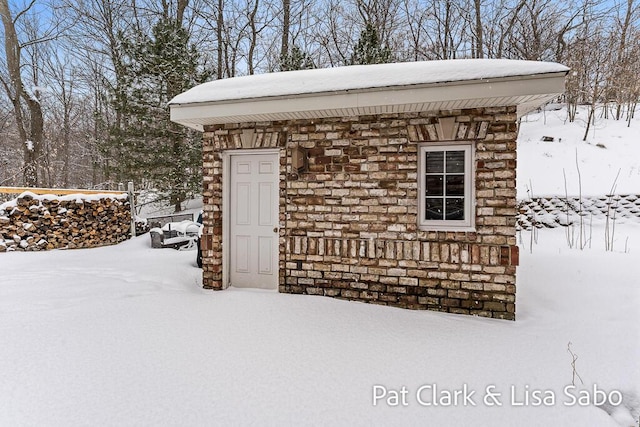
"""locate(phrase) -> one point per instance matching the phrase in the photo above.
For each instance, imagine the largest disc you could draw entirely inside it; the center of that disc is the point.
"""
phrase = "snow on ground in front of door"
(124, 335)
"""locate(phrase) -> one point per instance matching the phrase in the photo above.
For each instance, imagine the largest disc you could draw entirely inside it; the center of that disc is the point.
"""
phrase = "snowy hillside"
(611, 147)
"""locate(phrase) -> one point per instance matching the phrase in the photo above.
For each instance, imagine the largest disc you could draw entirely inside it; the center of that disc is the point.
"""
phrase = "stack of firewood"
(32, 222)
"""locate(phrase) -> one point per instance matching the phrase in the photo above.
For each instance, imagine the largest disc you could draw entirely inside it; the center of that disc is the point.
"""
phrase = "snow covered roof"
(370, 89)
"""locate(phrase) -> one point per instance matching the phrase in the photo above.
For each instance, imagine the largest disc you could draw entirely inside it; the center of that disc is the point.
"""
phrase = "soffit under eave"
(528, 92)
(524, 104)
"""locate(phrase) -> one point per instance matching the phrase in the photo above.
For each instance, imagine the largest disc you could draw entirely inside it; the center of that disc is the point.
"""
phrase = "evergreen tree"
(148, 148)
(369, 49)
(296, 59)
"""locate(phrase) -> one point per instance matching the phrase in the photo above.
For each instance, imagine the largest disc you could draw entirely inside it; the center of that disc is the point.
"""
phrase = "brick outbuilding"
(391, 184)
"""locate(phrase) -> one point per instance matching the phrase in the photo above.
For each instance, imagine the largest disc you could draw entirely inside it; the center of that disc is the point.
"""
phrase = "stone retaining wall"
(555, 211)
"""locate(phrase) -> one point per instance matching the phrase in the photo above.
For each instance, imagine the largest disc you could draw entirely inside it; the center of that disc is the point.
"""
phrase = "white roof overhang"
(526, 92)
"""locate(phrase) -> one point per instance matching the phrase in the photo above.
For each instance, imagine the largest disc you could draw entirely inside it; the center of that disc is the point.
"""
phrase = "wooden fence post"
(133, 209)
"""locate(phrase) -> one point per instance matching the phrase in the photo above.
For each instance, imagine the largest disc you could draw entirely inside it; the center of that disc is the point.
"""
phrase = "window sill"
(447, 227)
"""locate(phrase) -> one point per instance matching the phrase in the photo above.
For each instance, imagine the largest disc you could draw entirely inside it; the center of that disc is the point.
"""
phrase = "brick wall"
(349, 221)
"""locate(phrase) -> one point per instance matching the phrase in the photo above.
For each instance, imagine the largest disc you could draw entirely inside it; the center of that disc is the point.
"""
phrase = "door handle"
(275, 229)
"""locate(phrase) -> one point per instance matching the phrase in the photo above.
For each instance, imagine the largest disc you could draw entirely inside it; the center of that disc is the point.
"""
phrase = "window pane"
(434, 185)
(455, 161)
(434, 208)
(455, 208)
(455, 185)
(435, 161)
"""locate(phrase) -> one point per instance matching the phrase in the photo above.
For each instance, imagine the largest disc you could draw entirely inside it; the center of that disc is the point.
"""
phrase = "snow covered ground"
(611, 148)
(126, 336)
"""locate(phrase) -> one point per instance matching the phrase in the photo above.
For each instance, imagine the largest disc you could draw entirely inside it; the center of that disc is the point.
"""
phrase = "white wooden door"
(253, 255)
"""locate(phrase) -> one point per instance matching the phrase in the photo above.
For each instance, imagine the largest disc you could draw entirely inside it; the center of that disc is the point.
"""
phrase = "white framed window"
(445, 187)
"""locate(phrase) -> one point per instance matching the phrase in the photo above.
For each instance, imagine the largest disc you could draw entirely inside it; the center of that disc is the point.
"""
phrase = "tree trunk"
(621, 61)
(66, 130)
(182, 5)
(592, 111)
(254, 37)
(219, 24)
(31, 130)
(286, 11)
(479, 36)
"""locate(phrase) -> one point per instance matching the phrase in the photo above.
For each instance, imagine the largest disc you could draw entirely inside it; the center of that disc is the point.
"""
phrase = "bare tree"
(415, 30)
(63, 86)
(30, 120)
(447, 33)
(220, 41)
(253, 35)
(479, 43)
(286, 28)
(499, 22)
(335, 35)
(532, 36)
(622, 78)
(591, 55)
(94, 41)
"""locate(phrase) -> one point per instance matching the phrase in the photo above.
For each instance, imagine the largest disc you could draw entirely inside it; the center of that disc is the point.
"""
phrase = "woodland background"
(84, 83)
